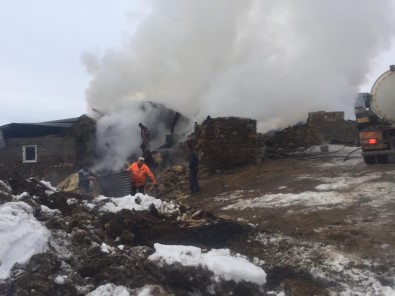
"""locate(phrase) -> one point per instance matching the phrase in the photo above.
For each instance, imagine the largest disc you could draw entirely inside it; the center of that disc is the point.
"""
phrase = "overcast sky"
(48, 47)
(41, 74)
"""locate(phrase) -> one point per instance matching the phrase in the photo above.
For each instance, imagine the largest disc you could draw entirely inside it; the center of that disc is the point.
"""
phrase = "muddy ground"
(311, 248)
(317, 225)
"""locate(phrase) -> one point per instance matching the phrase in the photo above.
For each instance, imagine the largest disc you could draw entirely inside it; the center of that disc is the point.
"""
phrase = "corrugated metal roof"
(115, 185)
(65, 123)
(37, 129)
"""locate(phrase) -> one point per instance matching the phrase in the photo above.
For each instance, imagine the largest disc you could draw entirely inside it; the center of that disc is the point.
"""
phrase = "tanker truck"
(375, 116)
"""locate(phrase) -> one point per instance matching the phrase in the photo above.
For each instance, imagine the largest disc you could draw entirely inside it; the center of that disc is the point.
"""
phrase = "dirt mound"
(149, 228)
(89, 248)
(18, 184)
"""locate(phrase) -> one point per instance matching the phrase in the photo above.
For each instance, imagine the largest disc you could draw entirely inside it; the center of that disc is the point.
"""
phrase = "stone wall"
(83, 133)
(321, 128)
(329, 127)
(225, 142)
(55, 157)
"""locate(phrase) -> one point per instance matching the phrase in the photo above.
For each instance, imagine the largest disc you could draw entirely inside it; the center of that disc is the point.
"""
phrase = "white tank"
(383, 97)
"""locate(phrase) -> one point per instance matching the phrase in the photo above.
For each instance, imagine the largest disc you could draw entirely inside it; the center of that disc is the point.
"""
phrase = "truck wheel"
(382, 158)
(371, 159)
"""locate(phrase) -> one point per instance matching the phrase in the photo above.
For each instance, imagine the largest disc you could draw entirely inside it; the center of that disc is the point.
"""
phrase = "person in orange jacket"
(139, 172)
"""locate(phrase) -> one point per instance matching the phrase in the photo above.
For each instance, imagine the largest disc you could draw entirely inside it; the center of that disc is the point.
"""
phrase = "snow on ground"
(308, 198)
(219, 261)
(139, 202)
(21, 236)
(109, 290)
(349, 271)
(334, 150)
(113, 290)
(5, 186)
(340, 155)
(343, 182)
(367, 188)
(231, 196)
(50, 189)
(313, 201)
(335, 191)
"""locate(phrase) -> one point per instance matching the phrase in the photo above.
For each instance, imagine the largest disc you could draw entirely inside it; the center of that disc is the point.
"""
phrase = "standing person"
(145, 135)
(84, 179)
(147, 154)
(139, 172)
(193, 159)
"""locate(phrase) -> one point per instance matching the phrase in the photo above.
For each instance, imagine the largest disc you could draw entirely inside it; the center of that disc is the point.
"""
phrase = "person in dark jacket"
(145, 135)
(193, 159)
(84, 178)
(147, 154)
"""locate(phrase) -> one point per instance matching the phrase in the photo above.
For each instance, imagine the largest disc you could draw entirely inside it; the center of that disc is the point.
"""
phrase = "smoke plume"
(273, 61)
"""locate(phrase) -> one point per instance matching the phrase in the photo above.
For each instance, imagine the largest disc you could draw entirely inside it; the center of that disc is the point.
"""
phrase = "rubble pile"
(89, 247)
(321, 128)
(174, 178)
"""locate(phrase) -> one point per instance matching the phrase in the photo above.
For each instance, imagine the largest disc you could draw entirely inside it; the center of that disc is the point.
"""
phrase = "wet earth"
(323, 225)
(317, 225)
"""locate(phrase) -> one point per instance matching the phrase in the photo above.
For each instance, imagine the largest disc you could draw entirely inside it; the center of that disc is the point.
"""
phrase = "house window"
(30, 153)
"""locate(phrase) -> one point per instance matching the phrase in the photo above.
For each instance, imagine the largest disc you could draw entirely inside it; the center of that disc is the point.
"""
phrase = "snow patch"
(220, 262)
(21, 236)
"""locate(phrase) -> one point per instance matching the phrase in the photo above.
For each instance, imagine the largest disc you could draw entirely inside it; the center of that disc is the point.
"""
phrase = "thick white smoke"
(270, 60)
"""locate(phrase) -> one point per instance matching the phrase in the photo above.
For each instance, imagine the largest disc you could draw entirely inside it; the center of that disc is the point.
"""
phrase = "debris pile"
(174, 178)
(321, 128)
(91, 246)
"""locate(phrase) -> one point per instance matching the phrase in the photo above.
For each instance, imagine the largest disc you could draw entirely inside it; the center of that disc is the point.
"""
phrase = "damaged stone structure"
(56, 149)
(225, 142)
(50, 150)
(321, 128)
